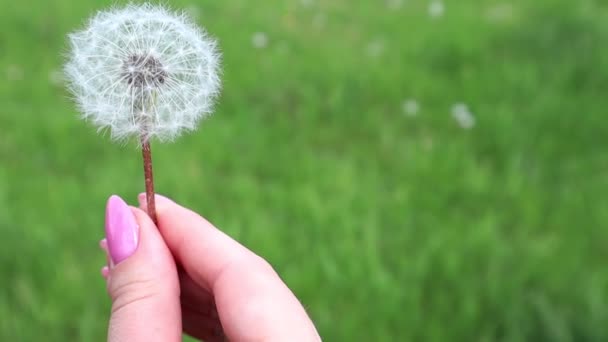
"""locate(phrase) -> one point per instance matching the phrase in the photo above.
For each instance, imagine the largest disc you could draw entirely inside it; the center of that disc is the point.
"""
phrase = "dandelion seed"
(436, 9)
(463, 116)
(259, 40)
(143, 71)
(14, 73)
(411, 107)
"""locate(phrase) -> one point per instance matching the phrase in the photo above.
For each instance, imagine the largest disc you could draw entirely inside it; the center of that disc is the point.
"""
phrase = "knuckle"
(129, 292)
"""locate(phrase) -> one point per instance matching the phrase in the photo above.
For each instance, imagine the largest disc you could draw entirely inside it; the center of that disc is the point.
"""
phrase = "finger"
(252, 301)
(191, 238)
(142, 281)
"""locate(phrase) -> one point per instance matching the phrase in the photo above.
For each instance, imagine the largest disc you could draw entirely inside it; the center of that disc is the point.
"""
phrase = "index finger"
(252, 301)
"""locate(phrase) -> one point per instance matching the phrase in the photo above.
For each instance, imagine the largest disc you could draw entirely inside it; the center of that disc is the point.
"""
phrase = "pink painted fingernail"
(122, 232)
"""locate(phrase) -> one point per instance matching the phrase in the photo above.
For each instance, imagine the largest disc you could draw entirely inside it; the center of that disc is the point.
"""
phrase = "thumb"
(142, 281)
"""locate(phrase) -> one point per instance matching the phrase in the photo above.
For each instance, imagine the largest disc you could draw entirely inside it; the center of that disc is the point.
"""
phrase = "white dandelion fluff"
(463, 116)
(143, 71)
(410, 107)
(259, 40)
(436, 8)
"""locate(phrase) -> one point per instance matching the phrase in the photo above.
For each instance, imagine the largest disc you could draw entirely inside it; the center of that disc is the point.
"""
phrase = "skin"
(187, 276)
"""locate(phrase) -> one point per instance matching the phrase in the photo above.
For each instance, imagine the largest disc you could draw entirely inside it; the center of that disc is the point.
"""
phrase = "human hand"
(188, 276)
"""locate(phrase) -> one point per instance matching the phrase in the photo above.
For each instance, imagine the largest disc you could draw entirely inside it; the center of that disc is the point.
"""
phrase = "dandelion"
(411, 107)
(259, 40)
(463, 116)
(436, 8)
(143, 71)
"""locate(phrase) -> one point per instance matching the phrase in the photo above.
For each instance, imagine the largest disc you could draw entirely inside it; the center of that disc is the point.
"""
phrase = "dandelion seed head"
(463, 116)
(142, 70)
(436, 8)
(411, 107)
(259, 40)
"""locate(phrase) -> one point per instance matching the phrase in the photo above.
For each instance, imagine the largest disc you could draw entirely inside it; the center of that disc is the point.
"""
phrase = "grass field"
(415, 173)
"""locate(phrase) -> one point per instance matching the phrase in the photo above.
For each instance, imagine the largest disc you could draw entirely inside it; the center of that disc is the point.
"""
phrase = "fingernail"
(121, 230)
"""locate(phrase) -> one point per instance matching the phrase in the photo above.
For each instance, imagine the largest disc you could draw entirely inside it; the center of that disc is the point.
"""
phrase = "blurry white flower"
(463, 116)
(259, 40)
(436, 8)
(411, 107)
(142, 70)
(14, 72)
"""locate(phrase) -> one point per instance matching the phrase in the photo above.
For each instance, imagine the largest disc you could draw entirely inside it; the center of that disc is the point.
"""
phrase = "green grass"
(387, 227)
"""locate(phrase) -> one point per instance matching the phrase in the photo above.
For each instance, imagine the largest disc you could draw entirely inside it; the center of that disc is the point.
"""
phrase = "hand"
(188, 276)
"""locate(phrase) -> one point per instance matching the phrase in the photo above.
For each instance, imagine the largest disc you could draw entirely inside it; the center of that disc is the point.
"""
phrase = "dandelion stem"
(147, 154)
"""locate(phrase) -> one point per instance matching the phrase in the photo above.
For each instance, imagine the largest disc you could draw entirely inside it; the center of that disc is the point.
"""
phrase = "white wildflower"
(142, 70)
(259, 40)
(436, 8)
(411, 107)
(463, 116)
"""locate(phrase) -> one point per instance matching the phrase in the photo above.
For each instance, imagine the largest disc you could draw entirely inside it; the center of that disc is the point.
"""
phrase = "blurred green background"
(415, 170)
